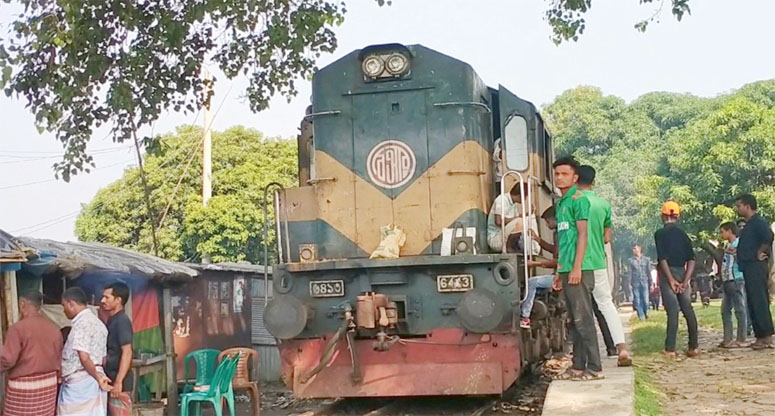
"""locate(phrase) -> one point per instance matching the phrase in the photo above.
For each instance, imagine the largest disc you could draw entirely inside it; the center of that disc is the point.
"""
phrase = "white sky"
(718, 48)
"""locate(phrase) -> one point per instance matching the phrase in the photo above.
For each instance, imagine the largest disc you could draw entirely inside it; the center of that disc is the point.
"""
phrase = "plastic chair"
(242, 379)
(220, 389)
(205, 368)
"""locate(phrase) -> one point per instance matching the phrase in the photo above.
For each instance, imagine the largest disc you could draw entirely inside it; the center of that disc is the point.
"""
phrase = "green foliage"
(230, 228)
(566, 17)
(80, 64)
(702, 152)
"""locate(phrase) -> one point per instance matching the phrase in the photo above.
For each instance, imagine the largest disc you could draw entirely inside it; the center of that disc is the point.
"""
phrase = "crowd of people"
(581, 222)
(76, 373)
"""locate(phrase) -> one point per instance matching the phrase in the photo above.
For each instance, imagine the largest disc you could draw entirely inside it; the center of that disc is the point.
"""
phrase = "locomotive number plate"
(455, 283)
(326, 288)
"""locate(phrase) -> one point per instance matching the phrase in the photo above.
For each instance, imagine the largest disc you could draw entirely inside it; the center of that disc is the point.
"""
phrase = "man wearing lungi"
(84, 383)
(31, 356)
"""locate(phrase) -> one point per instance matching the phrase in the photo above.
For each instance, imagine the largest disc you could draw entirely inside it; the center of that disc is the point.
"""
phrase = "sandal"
(588, 376)
(565, 375)
(624, 362)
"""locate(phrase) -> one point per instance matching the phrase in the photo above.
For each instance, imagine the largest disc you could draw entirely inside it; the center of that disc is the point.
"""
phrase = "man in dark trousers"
(572, 212)
(753, 252)
(676, 268)
(119, 359)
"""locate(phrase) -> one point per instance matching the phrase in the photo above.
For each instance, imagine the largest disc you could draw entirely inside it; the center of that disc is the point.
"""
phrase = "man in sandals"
(676, 268)
(599, 231)
(572, 218)
(733, 290)
(753, 253)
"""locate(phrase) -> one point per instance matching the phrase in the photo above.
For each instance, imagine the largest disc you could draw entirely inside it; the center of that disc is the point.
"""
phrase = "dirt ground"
(719, 382)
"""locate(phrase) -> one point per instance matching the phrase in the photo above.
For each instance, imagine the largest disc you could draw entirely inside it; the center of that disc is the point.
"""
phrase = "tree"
(230, 228)
(566, 17)
(702, 152)
(80, 64)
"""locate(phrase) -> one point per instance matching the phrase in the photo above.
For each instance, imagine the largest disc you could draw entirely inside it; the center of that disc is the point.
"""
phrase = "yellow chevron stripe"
(357, 209)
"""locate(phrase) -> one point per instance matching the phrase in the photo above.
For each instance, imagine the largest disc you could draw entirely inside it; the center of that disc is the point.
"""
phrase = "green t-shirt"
(572, 207)
(599, 220)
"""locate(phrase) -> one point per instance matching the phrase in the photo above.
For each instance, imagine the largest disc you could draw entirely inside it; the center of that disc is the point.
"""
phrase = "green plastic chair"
(205, 368)
(220, 389)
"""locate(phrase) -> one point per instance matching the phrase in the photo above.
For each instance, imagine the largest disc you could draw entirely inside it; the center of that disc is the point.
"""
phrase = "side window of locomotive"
(515, 134)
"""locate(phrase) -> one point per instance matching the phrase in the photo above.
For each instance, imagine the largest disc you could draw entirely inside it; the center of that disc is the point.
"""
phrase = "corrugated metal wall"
(263, 341)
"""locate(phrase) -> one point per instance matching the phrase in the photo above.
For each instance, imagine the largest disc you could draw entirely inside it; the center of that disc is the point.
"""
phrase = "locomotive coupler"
(385, 342)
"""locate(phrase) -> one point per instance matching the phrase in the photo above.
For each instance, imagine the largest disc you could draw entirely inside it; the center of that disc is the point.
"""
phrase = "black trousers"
(758, 296)
(675, 302)
(578, 298)
(610, 347)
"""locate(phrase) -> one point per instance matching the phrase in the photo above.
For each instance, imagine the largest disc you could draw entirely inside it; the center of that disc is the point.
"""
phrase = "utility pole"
(207, 155)
(207, 162)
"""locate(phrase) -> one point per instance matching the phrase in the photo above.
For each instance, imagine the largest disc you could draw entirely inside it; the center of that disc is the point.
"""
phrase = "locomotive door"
(390, 150)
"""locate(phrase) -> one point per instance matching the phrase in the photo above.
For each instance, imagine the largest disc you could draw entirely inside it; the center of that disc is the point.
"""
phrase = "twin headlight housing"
(385, 66)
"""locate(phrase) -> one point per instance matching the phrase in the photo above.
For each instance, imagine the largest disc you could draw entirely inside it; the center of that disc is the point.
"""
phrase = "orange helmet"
(671, 208)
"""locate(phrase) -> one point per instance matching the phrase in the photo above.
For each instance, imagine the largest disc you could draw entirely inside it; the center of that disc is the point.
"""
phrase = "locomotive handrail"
(276, 202)
(322, 113)
(466, 172)
(315, 181)
(473, 103)
(526, 241)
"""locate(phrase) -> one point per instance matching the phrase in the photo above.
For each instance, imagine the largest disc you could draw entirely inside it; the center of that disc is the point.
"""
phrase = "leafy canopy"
(566, 17)
(80, 64)
(230, 228)
(702, 152)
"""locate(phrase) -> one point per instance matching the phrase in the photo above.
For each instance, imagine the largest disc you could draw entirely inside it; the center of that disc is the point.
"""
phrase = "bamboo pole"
(172, 382)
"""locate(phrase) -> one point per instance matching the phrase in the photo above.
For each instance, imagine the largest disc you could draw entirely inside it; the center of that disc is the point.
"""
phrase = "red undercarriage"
(483, 364)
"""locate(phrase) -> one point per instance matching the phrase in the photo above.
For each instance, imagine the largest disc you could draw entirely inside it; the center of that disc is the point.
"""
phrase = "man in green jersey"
(572, 216)
(599, 231)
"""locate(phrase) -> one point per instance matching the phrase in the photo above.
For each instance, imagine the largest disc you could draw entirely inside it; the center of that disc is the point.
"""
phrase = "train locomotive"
(404, 136)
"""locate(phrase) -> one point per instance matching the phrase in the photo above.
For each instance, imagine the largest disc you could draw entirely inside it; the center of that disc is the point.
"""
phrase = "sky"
(716, 49)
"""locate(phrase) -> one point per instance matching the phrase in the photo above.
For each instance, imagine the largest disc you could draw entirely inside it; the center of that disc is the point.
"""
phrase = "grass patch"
(648, 339)
(646, 394)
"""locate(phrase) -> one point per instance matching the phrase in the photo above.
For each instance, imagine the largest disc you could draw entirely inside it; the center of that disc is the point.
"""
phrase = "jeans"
(758, 297)
(640, 298)
(578, 298)
(674, 302)
(734, 297)
(602, 296)
(533, 284)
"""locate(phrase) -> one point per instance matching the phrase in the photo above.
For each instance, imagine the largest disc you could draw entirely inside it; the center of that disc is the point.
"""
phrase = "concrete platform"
(612, 396)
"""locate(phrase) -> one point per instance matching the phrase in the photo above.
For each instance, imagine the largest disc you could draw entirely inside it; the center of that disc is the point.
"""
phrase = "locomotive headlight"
(396, 64)
(373, 66)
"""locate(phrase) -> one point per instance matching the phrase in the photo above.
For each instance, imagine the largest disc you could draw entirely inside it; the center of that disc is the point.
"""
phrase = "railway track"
(524, 398)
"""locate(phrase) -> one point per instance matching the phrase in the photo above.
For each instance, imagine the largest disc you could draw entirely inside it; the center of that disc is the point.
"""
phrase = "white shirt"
(89, 335)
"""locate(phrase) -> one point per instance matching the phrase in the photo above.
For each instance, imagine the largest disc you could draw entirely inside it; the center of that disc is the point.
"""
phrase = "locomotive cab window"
(516, 145)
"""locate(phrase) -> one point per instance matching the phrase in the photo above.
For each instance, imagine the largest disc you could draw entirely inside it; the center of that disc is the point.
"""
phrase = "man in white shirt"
(84, 383)
(507, 209)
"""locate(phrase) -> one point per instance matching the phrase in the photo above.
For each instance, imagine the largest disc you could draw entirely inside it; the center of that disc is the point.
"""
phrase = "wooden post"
(11, 297)
(169, 347)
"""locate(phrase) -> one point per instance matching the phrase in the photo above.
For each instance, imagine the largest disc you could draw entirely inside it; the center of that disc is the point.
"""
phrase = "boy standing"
(676, 268)
(733, 289)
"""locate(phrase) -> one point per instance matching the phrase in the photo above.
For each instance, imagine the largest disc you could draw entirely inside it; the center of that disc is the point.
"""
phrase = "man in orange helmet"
(676, 268)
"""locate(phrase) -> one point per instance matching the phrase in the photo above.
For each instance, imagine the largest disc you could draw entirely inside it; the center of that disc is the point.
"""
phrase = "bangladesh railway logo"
(391, 164)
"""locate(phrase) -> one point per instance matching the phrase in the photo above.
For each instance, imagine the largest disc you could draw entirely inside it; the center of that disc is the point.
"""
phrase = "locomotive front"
(403, 136)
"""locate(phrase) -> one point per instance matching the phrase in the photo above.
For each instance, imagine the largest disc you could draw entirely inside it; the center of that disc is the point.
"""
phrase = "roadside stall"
(51, 267)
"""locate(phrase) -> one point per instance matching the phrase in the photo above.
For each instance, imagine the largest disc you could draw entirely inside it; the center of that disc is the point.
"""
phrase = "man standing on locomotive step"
(753, 252)
(572, 218)
(599, 231)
